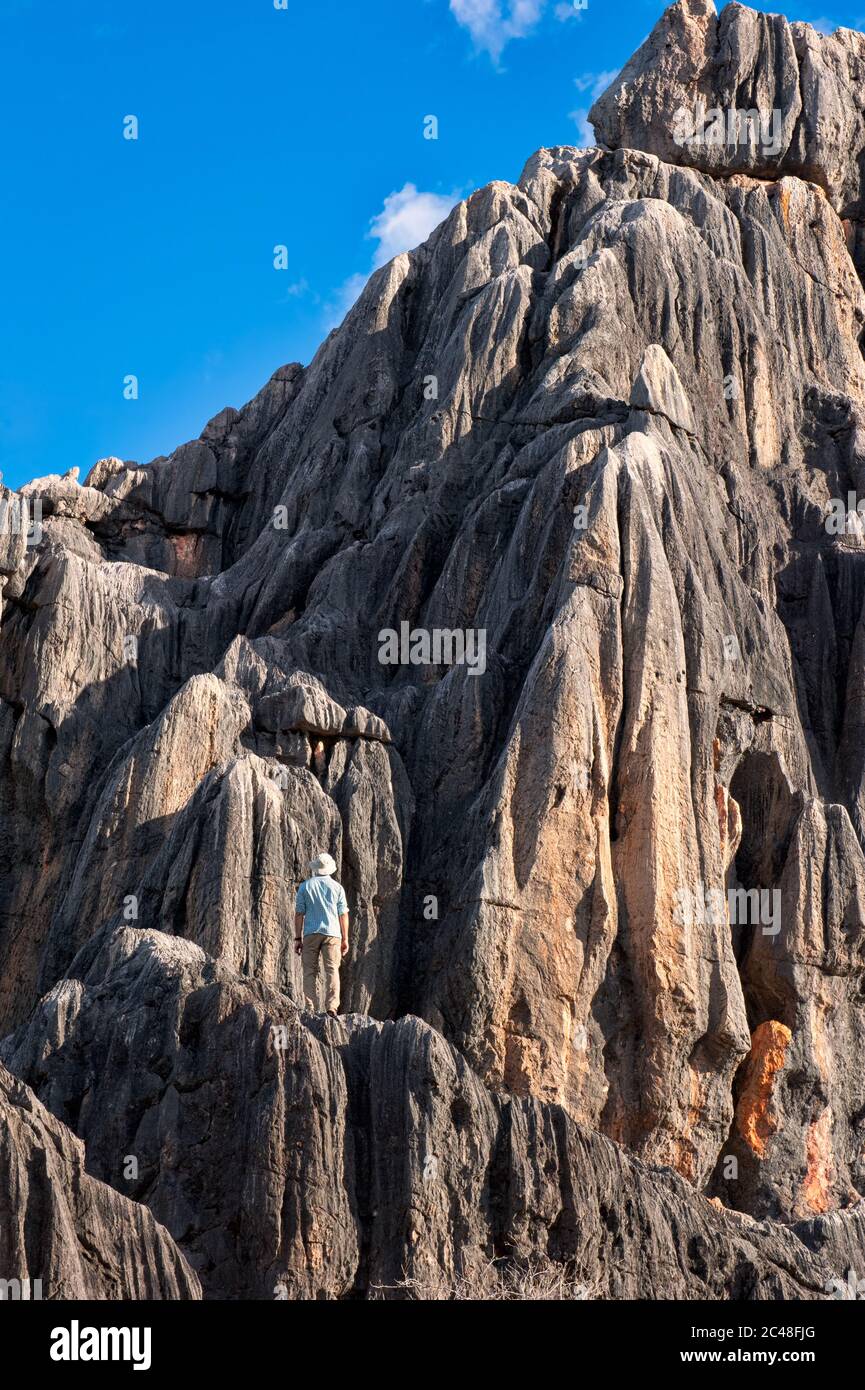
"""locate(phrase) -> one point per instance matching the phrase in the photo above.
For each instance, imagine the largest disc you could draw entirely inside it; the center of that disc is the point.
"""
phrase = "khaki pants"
(330, 949)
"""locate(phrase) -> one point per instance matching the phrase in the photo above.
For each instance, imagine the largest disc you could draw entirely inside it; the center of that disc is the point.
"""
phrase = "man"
(321, 929)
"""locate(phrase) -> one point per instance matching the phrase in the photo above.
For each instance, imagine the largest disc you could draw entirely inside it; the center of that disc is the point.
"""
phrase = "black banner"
(85, 1340)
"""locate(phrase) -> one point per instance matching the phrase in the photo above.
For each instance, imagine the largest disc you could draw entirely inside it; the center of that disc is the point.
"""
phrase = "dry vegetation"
(491, 1282)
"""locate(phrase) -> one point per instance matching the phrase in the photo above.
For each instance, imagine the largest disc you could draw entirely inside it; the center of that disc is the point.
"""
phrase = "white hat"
(324, 864)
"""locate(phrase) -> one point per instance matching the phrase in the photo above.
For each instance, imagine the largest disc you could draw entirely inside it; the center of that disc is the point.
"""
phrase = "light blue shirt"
(321, 900)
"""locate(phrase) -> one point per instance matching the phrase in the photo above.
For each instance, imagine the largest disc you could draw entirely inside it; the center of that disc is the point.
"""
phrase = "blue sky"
(259, 127)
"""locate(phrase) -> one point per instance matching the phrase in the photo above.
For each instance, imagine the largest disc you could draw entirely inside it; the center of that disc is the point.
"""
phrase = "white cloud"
(406, 219)
(594, 83)
(493, 23)
(580, 117)
(823, 26)
(568, 10)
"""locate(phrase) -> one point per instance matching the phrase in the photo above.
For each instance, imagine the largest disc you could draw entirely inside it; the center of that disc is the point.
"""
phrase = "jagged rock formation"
(62, 1233)
(361, 1152)
(598, 416)
(741, 61)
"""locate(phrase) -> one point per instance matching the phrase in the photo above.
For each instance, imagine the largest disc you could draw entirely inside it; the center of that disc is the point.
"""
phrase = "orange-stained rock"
(729, 822)
(817, 1186)
(188, 550)
(754, 1119)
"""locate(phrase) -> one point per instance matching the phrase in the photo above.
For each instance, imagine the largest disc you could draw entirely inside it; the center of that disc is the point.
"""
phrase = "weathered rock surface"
(615, 862)
(63, 1234)
(742, 61)
(362, 1152)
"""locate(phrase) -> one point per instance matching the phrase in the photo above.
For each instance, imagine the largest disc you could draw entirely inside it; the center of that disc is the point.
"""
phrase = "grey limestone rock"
(64, 1234)
(607, 877)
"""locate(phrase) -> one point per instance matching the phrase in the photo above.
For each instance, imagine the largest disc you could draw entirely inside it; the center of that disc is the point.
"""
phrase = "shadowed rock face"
(606, 877)
(63, 1235)
(361, 1152)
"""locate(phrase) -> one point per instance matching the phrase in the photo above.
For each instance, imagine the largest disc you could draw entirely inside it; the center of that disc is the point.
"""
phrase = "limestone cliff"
(607, 880)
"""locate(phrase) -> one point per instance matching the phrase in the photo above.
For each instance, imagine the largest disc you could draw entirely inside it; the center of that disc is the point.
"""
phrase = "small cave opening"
(769, 810)
(321, 748)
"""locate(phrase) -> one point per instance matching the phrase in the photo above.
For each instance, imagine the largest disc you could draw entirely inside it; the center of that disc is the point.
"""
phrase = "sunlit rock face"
(536, 601)
(745, 92)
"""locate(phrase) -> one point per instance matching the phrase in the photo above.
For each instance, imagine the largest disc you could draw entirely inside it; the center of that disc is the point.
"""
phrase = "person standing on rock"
(321, 930)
